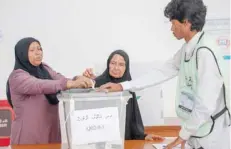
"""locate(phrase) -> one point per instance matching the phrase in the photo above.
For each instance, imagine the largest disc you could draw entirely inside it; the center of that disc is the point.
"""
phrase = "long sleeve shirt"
(209, 84)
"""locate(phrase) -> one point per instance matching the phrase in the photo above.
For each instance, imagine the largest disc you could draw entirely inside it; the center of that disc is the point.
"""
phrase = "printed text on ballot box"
(95, 125)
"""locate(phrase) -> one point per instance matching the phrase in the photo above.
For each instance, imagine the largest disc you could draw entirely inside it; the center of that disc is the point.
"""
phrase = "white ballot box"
(92, 120)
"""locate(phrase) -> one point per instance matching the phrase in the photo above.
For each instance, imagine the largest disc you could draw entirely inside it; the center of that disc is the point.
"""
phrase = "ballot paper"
(168, 140)
(162, 146)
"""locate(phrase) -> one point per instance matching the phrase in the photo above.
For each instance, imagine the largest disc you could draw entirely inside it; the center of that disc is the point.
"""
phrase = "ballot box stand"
(6, 118)
(92, 120)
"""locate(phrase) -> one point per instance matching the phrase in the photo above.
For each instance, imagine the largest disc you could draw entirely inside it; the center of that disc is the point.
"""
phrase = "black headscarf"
(22, 62)
(134, 129)
(106, 77)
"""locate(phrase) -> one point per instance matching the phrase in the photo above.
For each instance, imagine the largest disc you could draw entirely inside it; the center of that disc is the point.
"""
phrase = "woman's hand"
(89, 73)
(151, 137)
(80, 82)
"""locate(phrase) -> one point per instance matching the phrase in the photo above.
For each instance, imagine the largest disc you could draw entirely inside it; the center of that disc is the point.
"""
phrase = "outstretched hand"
(111, 87)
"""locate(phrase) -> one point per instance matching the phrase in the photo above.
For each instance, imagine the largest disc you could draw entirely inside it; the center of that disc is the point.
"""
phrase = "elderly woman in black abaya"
(118, 71)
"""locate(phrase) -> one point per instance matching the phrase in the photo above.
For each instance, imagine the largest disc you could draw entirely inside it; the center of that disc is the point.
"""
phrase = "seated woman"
(118, 71)
(31, 91)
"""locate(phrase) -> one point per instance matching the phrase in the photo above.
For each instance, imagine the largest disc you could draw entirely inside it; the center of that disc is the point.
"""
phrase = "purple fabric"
(36, 121)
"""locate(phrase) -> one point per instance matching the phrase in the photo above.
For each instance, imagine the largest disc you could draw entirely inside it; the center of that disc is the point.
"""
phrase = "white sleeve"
(209, 88)
(156, 76)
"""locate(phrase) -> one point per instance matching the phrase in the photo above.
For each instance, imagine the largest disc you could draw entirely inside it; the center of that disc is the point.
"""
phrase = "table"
(166, 131)
(128, 145)
(133, 144)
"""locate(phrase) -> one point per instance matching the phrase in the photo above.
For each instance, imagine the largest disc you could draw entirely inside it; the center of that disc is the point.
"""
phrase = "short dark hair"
(192, 10)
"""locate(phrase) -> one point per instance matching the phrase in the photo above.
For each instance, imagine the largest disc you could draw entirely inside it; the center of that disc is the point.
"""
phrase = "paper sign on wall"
(95, 125)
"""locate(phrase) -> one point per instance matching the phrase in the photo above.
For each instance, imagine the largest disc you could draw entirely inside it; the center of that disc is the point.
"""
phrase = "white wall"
(76, 34)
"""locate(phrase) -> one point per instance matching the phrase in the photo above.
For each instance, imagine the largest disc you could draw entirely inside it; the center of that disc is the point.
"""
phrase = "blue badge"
(226, 57)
